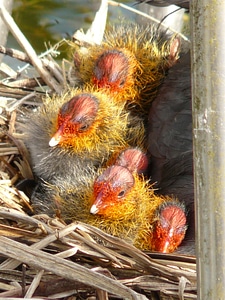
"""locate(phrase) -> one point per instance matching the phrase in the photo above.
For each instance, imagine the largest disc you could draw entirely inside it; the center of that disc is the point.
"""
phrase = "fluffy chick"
(130, 63)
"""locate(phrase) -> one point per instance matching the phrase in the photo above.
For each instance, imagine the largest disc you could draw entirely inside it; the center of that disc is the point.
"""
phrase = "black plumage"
(170, 141)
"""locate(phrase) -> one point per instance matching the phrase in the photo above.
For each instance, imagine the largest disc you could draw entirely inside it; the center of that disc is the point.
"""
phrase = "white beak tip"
(94, 209)
(53, 142)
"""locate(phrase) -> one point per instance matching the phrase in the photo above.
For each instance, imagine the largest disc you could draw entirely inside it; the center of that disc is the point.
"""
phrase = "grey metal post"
(208, 65)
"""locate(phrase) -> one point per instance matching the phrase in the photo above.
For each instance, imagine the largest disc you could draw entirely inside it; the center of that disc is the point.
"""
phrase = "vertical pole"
(208, 81)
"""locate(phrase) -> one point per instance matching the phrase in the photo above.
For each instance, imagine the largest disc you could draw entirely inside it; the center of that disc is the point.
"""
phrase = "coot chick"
(130, 63)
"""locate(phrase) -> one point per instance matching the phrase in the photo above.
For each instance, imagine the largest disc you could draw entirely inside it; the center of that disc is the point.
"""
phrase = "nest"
(44, 258)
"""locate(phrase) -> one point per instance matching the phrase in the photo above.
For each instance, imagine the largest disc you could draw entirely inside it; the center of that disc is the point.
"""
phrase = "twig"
(51, 66)
(7, 71)
(27, 83)
(19, 102)
(34, 285)
(15, 54)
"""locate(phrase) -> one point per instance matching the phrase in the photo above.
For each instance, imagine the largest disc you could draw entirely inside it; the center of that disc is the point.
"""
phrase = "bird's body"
(170, 141)
(130, 63)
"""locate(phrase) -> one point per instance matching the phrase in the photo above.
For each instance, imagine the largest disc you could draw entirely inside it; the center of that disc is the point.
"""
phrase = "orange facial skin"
(110, 188)
(75, 118)
(169, 229)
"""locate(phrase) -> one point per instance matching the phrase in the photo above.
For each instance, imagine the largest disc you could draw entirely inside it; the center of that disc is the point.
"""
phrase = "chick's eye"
(121, 194)
(122, 82)
(83, 127)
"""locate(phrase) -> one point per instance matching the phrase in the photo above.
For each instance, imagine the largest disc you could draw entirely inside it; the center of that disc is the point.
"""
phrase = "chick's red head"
(133, 159)
(169, 228)
(110, 189)
(75, 118)
(111, 70)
